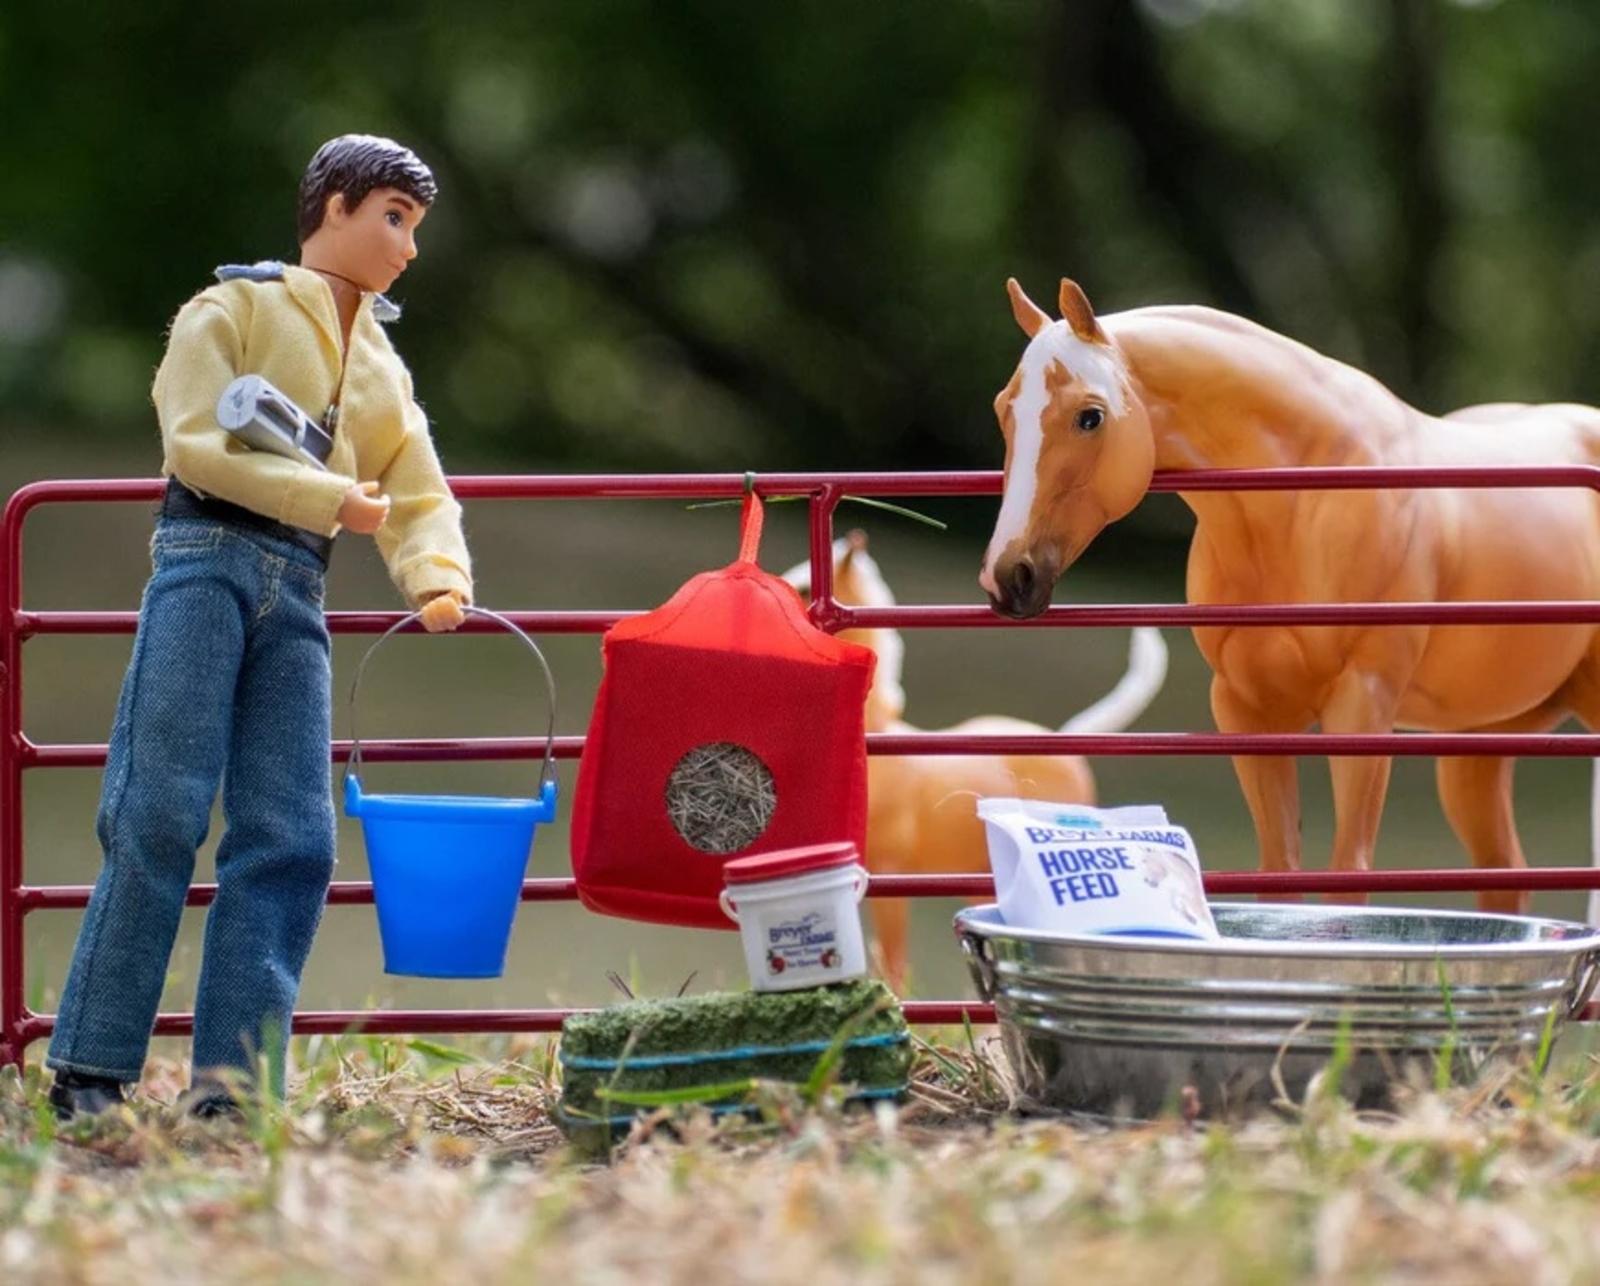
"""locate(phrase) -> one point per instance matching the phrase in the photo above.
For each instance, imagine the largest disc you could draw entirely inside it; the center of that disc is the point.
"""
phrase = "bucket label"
(1086, 870)
(809, 941)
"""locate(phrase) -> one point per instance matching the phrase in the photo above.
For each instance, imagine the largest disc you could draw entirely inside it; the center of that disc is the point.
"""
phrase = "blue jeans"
(229, 683)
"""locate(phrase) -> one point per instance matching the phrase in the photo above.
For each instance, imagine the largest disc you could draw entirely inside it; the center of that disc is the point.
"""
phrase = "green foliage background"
(715, 234)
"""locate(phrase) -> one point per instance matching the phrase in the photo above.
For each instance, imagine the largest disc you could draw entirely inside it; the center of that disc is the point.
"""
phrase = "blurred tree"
(716, 235)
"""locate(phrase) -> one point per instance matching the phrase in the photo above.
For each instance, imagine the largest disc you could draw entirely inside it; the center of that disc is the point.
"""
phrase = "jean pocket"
(308, 586)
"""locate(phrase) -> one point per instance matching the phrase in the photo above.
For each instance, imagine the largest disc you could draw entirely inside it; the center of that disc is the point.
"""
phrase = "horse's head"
(857, 582)
(1079, 451)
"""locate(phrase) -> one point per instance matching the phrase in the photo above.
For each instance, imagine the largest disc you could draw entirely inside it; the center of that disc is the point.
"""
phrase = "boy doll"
(229, 682)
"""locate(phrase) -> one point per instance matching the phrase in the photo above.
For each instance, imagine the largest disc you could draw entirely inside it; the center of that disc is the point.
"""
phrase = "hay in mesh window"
(720, 797)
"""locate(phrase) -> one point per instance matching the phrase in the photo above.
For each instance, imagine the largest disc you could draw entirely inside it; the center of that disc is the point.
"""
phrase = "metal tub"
(1137, 1026)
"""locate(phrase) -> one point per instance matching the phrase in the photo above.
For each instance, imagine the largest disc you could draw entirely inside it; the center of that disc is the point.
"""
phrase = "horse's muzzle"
(1023, 587)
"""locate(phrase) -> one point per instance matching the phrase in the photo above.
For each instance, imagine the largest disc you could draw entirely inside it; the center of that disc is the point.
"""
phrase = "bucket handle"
(547, 777)
(978, 954)
(1585, 981)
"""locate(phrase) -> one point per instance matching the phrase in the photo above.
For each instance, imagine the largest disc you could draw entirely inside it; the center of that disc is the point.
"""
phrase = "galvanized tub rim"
(1566, 937)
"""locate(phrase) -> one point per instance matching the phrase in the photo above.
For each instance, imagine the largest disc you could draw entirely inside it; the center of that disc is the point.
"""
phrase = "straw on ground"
(408, 1161)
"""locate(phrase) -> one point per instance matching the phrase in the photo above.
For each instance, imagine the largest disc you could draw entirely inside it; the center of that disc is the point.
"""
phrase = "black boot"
(79, 1093)
(209, 1100)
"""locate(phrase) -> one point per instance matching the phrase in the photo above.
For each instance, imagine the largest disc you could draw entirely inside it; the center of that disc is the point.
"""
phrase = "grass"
(407, 1161)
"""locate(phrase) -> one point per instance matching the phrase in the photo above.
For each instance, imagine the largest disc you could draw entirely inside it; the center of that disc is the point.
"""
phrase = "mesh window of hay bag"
(726, 724)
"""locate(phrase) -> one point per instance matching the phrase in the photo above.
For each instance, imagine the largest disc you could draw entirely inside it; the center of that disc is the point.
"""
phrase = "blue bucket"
(447, 870)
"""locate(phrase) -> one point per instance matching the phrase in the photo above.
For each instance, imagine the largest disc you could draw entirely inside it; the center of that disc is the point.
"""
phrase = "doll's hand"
(442, 612)
(363, 509)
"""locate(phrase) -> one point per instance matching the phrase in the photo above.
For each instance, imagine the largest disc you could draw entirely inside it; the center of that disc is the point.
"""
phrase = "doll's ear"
(1077, 313)
(334, 210)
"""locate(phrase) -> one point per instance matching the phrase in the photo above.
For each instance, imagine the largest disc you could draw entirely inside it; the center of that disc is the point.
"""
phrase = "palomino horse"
(1098, 403)
(922, 809)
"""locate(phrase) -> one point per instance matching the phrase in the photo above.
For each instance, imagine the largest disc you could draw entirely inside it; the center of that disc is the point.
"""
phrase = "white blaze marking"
(1097, 368)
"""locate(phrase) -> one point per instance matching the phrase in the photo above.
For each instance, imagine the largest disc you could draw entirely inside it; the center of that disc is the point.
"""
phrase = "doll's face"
(373, 243)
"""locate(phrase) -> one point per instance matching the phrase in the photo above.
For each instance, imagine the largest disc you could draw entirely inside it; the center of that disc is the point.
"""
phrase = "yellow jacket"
(287, 331)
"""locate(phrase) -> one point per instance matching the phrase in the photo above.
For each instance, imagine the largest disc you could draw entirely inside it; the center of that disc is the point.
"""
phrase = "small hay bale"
(725, 1037)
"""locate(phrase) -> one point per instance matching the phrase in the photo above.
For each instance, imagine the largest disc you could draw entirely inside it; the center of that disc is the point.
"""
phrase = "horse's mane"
(1206, 318)
(1196, 323)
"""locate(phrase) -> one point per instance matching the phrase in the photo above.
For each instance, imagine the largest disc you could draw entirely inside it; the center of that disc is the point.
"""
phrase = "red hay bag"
(731, 658)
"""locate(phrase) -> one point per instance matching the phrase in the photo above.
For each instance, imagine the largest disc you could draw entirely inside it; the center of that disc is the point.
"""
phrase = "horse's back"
(1519, 433)
(1507, 544)
(922, 809)
(1516, 542)
(1488, 412)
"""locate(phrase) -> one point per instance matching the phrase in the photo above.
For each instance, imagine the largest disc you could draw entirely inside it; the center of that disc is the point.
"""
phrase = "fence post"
(12, 1010)
(824, 608)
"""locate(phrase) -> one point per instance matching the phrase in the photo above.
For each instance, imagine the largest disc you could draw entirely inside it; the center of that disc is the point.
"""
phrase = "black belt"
(181, 502)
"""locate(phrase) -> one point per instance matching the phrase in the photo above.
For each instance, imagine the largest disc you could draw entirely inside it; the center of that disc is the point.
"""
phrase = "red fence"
(19, 1026)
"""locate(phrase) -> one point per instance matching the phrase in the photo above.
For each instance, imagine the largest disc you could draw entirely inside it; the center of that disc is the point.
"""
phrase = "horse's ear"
(1029, 315)
(1078, 314)
(855, 541)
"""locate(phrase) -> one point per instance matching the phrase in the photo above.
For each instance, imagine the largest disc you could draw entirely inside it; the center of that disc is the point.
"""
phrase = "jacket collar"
(384, 309)
(309, 291)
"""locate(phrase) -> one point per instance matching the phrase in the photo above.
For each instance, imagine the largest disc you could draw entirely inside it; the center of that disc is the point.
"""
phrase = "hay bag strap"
(751, 514)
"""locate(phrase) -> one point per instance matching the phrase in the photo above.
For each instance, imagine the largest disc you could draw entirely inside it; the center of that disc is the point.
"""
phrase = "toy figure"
(229, 678)
(922, 809)
(1098, 403)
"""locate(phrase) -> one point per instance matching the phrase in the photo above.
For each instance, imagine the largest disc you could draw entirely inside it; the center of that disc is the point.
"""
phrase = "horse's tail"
(1147, 671)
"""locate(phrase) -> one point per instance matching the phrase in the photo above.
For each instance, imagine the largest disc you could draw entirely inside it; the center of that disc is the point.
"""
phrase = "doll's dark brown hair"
(355, 164)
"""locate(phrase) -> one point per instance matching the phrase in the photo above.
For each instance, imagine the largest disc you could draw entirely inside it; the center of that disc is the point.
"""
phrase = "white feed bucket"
(797, 913)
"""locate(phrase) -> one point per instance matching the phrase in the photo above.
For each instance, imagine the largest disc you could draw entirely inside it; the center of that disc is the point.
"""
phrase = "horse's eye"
(1090, 418)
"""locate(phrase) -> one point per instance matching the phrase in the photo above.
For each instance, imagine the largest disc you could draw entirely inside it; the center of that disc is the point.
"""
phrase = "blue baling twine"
(585, 1064)
(726, 1109)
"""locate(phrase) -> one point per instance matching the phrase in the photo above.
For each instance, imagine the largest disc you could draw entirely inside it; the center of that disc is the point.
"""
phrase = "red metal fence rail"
(20, 1026)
